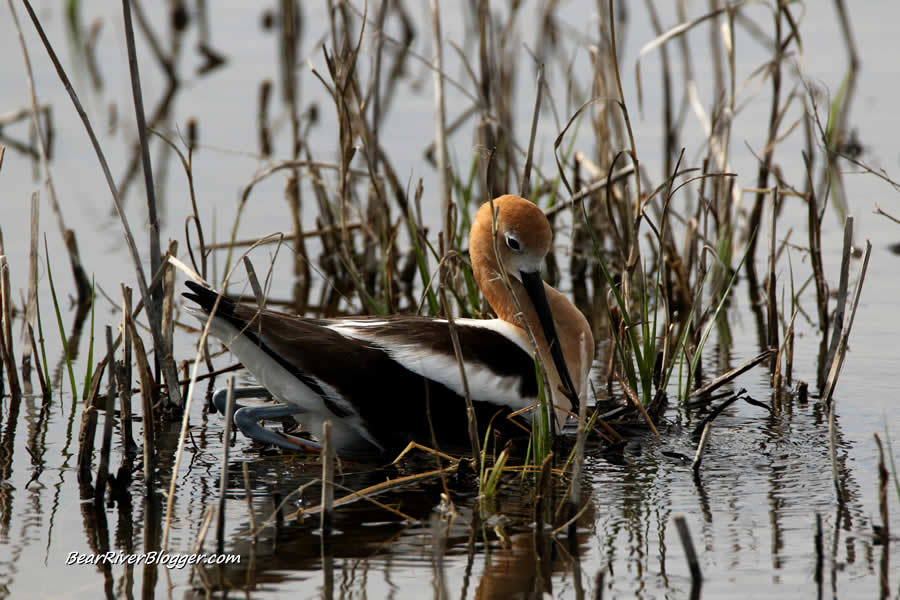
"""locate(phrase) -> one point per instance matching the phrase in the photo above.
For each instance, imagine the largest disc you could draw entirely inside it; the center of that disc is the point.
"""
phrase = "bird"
(386, 381)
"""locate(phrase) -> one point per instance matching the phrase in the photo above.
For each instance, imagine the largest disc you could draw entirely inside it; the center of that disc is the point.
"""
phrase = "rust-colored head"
(523, 235)
(523, 241)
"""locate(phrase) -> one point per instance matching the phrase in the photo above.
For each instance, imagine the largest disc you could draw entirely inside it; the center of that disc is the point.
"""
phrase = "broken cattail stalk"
(841, 348)
(88, 431)
(31, 303)
(689, 552)
(254, 283)
(841, 306)
(167, 321)
(223, 478)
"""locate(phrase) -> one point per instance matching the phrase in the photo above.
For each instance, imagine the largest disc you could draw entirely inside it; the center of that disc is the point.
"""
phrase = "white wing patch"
(484, 384)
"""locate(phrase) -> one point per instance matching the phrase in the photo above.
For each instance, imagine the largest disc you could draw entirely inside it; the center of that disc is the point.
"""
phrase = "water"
(765, 475)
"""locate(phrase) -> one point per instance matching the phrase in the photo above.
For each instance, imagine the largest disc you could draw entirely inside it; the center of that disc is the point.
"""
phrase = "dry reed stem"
(287, 238)
(125, 375)
(698, 455)
(591, 189)
(416, 446)
(732, 374)
(32, 302)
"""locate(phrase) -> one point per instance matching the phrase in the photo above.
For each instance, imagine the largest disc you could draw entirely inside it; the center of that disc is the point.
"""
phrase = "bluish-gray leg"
(247, 419)
(220, 396)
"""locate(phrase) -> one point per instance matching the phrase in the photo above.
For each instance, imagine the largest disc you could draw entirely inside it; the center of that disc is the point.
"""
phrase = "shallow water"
(765, 476)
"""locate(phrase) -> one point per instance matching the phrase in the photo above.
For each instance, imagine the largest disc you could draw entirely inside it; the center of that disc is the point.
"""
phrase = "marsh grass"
(651, 259)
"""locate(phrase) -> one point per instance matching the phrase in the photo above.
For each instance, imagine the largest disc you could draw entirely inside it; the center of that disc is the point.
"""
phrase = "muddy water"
(766, 475)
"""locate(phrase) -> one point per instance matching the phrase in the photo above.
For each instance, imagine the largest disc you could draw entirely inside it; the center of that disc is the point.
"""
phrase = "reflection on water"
(765, 478)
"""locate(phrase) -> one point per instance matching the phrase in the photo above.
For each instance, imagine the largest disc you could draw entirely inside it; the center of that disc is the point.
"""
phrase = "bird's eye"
(513, 243)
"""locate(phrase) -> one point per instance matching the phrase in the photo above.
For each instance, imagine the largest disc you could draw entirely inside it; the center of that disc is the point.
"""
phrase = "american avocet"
(386, 381)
